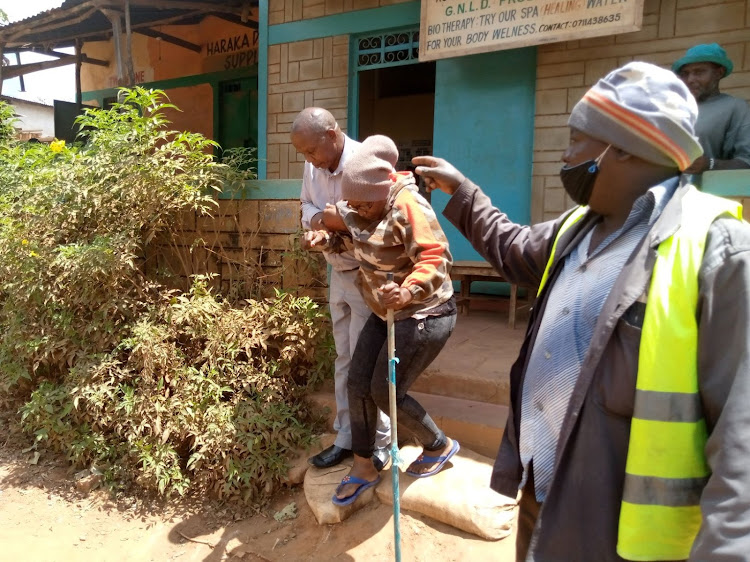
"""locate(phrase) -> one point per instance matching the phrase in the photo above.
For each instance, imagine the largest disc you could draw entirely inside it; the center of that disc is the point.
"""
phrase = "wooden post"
(129, 46)
(2, 48)
(20, 78)
(79, 98)
(114, 17)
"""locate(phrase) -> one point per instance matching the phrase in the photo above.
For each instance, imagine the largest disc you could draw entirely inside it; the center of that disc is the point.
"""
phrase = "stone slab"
(298, 459)
(458, 496)
(320, 485)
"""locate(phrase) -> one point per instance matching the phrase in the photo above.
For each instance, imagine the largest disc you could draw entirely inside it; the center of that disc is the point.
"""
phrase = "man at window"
(723, 126)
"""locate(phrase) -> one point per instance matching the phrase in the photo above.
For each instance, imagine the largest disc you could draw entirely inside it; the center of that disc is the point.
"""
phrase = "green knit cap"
(709, 52)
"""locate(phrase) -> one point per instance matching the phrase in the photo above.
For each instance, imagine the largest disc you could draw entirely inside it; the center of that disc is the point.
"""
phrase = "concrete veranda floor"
(475, 362)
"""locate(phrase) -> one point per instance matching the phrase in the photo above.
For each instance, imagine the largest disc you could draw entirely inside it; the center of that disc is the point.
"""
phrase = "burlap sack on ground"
(459, 495)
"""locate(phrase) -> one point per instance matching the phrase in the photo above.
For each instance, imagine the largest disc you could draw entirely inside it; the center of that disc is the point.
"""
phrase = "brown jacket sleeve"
(518, 252)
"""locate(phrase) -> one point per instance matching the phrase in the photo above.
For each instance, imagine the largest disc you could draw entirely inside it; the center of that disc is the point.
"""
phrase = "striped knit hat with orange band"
(644, 110)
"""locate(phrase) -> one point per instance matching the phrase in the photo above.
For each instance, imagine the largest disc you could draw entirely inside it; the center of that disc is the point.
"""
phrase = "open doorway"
(238, 113)
(399, 101)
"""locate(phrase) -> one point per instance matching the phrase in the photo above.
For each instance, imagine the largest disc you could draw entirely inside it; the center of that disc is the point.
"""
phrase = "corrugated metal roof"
(83, 19)
(36, 101)
(43, 12)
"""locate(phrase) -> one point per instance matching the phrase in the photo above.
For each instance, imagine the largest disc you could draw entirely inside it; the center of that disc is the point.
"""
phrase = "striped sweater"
(409, 242)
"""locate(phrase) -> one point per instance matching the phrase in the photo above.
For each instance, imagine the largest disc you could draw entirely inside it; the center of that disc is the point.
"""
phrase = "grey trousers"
(348, 315)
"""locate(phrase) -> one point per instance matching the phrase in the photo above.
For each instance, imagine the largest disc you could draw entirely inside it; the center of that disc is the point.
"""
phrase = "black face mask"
(579, 180)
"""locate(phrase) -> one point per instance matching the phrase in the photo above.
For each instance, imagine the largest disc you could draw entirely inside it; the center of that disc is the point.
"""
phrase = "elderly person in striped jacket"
(393, 229)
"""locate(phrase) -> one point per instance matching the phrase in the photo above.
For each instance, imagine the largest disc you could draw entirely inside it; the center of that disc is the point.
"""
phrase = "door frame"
(355, 67)
(252, 109)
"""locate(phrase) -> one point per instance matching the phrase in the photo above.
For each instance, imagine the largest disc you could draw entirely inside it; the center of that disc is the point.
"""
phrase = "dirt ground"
(43, 517)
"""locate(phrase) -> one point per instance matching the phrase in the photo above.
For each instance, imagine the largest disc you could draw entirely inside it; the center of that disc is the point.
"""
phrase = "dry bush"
(167, 390)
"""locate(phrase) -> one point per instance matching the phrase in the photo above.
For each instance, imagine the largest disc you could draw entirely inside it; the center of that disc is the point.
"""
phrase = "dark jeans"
(418, 343)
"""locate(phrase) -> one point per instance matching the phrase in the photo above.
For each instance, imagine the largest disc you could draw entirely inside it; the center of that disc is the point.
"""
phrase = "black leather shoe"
(331, 456)
(381, 458)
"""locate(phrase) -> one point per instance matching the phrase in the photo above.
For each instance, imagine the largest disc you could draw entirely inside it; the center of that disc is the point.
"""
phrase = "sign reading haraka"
(233, 51)
(451, 28)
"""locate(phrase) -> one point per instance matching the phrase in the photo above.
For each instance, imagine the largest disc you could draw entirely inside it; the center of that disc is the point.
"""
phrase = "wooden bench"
(467, 271)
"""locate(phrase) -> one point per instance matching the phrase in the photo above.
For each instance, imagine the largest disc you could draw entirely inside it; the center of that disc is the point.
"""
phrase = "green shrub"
(167, 391)
(201, 394)
(74, 221)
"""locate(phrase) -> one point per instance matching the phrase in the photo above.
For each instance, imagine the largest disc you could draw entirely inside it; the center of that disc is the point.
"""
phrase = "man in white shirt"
(317, 136)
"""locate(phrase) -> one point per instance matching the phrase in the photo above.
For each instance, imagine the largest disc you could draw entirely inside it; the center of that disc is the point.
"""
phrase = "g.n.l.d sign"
(451, 28)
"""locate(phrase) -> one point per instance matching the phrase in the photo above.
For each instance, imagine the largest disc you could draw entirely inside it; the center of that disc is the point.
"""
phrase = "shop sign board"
(451, 28)
(233, 51)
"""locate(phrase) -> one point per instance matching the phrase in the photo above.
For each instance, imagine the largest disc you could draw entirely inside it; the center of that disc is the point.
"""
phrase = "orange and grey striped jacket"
(409, 242)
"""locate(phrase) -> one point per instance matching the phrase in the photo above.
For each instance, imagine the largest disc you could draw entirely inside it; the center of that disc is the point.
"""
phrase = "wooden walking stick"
(395, 460)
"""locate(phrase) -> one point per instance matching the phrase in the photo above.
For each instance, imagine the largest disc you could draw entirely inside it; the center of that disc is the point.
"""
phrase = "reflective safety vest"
(666, 468)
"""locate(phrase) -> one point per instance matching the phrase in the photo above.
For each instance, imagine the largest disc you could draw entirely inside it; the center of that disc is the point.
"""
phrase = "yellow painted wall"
(196, 104)
(155, 60)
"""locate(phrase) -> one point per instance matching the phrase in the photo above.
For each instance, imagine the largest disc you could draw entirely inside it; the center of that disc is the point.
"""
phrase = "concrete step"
(475, 362)
(478, 425)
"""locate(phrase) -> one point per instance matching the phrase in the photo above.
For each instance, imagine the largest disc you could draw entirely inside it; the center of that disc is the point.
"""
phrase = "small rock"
(88, 483)
(289, 512)
(81, 474)
(235, 548)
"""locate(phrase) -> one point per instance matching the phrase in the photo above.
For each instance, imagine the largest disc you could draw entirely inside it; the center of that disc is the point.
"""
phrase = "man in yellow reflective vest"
(629, 428)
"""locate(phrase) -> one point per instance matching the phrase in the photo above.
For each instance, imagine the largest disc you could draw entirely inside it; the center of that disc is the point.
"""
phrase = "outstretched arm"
(518, 252)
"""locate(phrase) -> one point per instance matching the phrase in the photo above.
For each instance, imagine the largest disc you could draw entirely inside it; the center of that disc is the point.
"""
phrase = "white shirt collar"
(349, 148)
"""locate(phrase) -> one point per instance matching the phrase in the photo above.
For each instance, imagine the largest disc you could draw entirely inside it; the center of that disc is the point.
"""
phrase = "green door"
(238, 113)
(484, 125)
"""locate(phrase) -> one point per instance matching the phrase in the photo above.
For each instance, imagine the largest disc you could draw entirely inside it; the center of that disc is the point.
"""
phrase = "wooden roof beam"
(19, 70)
(186, 5)
(236, 19)
(148, 32)
(106, 35)
(174, 20)
(59, 55)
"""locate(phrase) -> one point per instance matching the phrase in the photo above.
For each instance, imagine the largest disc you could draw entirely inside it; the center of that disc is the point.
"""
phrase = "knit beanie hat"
(710, 52)
(644, 110)
(367, 172)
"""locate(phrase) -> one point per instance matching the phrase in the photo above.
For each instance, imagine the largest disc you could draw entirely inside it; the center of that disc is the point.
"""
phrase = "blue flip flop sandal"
(426, 459)
(363, 485)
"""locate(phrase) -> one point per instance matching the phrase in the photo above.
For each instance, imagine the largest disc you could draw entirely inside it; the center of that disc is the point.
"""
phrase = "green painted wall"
(484, 125)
